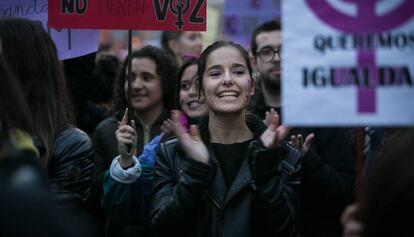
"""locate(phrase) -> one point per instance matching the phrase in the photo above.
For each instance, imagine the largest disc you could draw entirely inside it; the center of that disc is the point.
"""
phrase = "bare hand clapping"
(274, 133)
(190, 140)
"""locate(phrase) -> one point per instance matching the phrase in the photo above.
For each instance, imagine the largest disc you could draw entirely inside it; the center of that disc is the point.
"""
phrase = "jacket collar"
(253, 123)
(244, 176)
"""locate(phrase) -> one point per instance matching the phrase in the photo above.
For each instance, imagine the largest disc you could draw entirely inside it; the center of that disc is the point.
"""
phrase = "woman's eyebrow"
(214, 67)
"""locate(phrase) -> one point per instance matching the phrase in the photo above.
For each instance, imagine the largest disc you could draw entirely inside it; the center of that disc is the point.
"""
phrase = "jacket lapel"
(218, 189)
(242, 179)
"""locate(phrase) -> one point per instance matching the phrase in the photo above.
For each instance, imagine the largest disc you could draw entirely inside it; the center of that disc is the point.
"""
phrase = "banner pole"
(129, 76)
(359, 157)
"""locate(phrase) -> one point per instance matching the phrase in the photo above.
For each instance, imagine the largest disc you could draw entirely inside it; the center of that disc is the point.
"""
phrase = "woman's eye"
(239, 72)
(185, 86)
(146, 76)
(214, 74)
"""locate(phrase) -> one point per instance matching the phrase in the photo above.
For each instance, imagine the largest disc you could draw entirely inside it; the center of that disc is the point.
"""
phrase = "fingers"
(293, 141)
(126, 141)
(352, 227)
(124, 120)
(283, 131)
(308, 140)
(126, 134)
(349, 213)
(167, 127)
(133, 125)
(126, 129)
(194, 132)
(300, 140)
(268, 117)
(274, 122)
(177, 126)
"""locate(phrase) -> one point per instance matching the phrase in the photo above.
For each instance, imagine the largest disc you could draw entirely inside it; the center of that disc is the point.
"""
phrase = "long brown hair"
(32, 57)
(14, 112)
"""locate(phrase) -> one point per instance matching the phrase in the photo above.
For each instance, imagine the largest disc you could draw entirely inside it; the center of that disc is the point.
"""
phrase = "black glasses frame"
(277, 51)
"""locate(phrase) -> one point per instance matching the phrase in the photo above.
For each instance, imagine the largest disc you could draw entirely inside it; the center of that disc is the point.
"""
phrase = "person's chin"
(139, 106)
(196, 113)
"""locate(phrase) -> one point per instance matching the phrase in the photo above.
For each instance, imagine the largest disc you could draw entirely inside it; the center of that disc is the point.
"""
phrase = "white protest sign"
(348, 62)
(69, 42)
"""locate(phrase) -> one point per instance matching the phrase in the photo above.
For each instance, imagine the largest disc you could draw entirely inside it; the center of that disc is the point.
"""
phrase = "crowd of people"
(202, 152)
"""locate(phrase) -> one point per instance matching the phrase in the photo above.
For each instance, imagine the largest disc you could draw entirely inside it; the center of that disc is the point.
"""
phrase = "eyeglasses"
(267, 53)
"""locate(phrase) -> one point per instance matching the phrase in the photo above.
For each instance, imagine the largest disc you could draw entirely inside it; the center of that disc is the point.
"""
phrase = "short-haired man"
(328, 174)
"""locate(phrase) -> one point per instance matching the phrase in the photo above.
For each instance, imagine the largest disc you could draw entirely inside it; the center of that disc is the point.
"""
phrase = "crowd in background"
(202, 150)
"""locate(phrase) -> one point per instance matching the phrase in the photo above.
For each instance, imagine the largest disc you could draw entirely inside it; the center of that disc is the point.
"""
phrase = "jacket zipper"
(214, 200)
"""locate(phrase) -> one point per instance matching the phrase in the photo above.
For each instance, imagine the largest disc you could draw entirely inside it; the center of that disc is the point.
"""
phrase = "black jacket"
(191, 197)
(71, 167)
(327, 174)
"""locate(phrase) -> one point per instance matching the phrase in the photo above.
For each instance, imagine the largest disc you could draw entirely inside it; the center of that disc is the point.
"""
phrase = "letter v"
(161, 13)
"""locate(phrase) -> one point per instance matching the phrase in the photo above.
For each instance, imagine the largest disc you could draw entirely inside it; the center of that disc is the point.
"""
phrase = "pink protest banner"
(173, 15)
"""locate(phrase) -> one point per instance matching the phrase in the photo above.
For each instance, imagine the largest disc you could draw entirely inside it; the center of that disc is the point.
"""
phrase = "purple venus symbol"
(366, 21)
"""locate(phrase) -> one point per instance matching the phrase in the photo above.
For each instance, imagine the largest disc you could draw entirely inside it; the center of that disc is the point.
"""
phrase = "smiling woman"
(190, 102)
(221, 177)
(153, 88)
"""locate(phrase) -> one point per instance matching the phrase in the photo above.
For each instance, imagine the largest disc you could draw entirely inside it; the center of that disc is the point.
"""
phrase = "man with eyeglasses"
(328, 169)
(266, 49)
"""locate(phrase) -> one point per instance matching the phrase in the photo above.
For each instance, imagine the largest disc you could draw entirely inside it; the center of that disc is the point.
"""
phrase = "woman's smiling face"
(227, 84)
(189, 100)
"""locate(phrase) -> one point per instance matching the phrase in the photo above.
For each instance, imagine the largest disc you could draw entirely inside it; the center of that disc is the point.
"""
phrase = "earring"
(256, 76)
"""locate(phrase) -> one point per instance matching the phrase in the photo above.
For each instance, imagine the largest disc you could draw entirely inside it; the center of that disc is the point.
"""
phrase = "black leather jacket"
(71, 167)
(191, 197)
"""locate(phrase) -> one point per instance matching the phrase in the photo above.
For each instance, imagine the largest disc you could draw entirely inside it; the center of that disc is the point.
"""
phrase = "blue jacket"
(128, 205)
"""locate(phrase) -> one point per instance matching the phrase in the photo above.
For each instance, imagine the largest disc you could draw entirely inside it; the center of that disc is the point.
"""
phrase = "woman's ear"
(252, 86)
(253, 61)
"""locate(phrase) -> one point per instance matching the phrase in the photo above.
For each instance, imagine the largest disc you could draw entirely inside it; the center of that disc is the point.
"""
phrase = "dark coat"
(327, 174)
(191, 198)
(71, 167)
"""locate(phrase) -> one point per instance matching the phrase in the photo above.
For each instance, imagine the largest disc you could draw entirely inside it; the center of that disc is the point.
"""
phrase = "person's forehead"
(190, 71)
(190, 33)
(268, 38)
(144, 64)
(226, 55)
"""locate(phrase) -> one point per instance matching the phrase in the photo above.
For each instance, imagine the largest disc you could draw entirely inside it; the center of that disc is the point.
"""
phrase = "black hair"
(166, 36)
(166, 68)
(189, 62)
(105, 72)
(265, 27)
